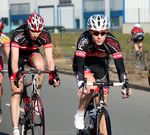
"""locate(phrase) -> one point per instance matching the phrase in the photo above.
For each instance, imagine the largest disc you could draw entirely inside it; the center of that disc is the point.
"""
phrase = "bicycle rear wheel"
(37, 120)
(104, 124)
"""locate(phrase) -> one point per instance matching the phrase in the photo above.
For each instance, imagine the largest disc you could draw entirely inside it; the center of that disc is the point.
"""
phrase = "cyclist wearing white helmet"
(4, 43)
(25, 43)
(137, 35)
(93, 47)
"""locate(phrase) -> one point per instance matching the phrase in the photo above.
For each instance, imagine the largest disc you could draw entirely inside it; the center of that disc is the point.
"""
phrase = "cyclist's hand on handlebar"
(53, 80)
(126, 93)
(81, 94)
(17, 78)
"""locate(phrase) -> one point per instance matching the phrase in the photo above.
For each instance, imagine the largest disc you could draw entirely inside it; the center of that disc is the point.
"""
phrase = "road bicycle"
(3, 72)
(31, 118)
(93, 115)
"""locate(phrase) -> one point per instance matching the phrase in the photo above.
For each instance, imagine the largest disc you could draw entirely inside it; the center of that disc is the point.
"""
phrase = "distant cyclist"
(93, 47)
(137, 34)
(25, 43)
(4, 43)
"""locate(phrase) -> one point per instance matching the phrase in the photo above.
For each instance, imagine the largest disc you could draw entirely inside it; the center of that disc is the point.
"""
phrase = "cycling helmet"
(1, 25)
(35, 22)
(98, 23)
(137, 25)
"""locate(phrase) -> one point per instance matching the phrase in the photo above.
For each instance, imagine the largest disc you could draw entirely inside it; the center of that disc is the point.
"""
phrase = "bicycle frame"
(29, 120)
(101, 108)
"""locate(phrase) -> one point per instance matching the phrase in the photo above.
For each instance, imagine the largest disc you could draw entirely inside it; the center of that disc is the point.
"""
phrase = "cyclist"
(138, 34)
(25, 43)
(93, 47)
(4, 43)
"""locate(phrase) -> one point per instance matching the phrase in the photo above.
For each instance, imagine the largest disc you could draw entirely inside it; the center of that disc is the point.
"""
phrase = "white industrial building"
(73, 14)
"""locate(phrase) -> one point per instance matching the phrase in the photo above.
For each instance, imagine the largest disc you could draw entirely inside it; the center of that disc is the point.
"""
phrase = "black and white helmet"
(98, 23)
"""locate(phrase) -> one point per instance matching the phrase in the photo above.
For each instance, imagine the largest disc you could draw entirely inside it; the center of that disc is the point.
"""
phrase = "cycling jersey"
(4, 41)
(27, 47)
(22, 40)
(88, 54)
(137, 32)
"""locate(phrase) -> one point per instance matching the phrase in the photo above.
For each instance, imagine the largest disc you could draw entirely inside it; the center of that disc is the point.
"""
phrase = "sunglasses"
(96, 33)
(38, 32)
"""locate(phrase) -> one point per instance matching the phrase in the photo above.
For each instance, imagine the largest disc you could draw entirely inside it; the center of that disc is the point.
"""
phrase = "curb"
(134, 86)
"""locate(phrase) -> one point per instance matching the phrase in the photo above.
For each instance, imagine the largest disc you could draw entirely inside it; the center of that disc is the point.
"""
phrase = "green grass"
(66, 42)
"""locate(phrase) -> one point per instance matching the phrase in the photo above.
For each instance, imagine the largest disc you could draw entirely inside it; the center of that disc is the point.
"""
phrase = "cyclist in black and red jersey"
(93, 47)
(25, 43)
(138, 34)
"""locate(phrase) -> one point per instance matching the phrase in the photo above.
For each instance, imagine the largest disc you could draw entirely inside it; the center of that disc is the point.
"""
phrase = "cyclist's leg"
(37, 61)
(140, 44)
(1, 89)
(84, 100)
(1, 92)
(136, 47)
(89, 92)
(15, 103)
(1, 76)
(15, 99)
(135, 40)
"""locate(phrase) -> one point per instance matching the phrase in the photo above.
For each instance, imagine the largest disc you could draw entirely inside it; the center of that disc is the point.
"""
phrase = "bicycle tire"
(23, 120)
(107, 122)
(37, 120)
(87, 129)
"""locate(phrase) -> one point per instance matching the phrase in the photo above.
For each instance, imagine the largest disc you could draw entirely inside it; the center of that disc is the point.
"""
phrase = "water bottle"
(26, 104)
(92, 118)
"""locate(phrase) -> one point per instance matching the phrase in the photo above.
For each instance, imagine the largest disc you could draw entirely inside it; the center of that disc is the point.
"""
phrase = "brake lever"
(56, 73)
(126, 87)
(18, 78)
(83, 85)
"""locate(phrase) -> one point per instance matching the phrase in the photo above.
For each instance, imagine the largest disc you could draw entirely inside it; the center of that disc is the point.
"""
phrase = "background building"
(73, 14)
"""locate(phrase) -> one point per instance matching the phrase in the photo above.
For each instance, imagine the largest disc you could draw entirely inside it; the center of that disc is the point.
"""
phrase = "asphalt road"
(128, 116)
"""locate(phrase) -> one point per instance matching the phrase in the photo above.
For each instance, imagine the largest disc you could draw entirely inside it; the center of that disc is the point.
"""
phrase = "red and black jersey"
(22, 40)
(137, 31)
(88, 53)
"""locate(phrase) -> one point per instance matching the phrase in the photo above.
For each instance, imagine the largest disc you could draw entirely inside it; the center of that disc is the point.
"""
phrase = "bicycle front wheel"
(38, 122)
(104, 124)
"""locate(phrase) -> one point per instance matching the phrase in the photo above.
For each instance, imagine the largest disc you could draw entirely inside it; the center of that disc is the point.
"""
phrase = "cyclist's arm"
(7, 50)
(49, 58)
(120, 69)
(131, 35)
(14, 58)
(80, 68)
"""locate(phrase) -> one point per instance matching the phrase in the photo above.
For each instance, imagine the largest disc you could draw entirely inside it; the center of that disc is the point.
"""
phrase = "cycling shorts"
(138, 38)
(99, 71)
(24, 58)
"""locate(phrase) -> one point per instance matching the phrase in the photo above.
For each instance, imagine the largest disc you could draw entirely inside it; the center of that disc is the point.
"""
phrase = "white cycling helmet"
(98, 23)
(137, 25)
(35, 22)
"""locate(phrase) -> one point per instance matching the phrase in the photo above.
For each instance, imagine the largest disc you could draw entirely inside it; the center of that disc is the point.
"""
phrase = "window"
(64, 1)
(15, 22)
(5, 21)
(115, 21)
(20, 9)
(77, 23)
